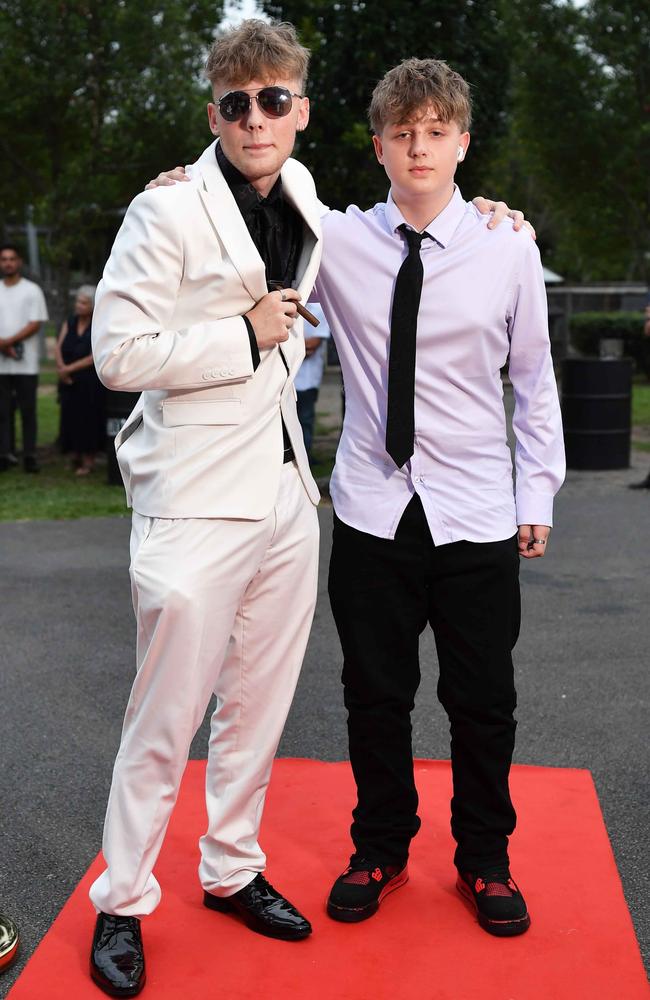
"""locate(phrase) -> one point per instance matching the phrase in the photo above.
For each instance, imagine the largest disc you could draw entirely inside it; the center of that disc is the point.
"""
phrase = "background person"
(310, 374)
(81, 393)
(22, 312)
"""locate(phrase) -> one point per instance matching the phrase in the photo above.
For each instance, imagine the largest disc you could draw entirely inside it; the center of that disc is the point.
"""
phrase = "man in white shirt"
(310, 375)
(22, 312)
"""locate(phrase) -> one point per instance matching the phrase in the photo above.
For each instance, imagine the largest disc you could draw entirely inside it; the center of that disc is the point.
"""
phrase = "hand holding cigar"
(277, 286)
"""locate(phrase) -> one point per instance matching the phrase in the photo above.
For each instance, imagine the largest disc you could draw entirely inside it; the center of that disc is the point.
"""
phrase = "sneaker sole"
(353, 915)
(500, 928)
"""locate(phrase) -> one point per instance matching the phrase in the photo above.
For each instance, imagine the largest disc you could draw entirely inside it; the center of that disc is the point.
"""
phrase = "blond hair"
(257, 50)
(406, 92)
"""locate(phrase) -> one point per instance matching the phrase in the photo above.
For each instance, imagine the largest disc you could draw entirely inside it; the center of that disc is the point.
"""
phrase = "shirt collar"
(442, 228)
(245, 194)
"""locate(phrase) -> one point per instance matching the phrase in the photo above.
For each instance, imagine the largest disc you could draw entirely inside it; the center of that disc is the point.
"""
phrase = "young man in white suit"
(224, 542)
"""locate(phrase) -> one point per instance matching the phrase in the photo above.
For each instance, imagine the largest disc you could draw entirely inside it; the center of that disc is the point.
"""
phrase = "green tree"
(96, 97)
(578, 150)
(354, 43)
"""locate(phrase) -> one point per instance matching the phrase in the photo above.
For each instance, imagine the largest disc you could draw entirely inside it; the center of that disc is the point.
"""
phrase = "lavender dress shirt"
(483, 304)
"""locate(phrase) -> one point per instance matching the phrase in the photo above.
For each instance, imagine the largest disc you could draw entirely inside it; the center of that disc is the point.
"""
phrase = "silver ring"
(539, 541)
(283, 297)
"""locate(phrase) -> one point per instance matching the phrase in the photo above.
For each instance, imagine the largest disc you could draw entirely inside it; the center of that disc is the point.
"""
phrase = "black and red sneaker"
(496, 900)
(357, 893)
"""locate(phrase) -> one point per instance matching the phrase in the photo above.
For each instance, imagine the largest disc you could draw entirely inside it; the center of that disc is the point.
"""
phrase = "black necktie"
(400, 421)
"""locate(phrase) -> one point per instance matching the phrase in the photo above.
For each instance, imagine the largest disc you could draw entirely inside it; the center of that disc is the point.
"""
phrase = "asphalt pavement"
(67, 665)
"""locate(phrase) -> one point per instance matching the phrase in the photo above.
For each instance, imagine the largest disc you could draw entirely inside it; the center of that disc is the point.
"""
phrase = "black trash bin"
(596, 411)
(118, 408)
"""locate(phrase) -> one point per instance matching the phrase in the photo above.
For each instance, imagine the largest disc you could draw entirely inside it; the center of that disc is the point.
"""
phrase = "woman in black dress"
(80, 391)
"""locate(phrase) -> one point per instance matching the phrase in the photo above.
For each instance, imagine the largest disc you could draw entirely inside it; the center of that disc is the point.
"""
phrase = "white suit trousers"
(223, 606)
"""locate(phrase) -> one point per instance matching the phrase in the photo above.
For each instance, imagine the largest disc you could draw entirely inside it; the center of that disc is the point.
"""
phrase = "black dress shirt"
(276, 230)
(274, 225)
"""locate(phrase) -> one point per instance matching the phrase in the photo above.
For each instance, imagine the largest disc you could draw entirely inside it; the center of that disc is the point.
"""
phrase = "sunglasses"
(274, 102)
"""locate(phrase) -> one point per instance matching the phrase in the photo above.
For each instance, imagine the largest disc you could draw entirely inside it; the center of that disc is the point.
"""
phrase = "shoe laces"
(362, 870)
(495, 881)
(117, 925)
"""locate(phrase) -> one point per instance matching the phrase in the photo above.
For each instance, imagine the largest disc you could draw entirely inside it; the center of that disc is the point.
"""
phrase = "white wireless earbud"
(460, 155)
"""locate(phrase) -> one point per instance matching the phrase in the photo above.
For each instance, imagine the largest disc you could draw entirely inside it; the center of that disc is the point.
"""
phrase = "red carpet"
(423, 945)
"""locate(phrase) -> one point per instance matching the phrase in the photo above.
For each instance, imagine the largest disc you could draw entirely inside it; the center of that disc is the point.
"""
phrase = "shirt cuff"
(534, 508)
(255, 351)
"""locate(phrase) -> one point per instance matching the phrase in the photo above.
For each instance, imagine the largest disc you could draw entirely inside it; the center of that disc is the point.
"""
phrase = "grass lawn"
(641, 415)
(56, 493)
(641, 405)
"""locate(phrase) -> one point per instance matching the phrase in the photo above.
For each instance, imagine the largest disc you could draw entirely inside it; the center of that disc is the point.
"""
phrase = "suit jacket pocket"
(127, 430)
(179, 412)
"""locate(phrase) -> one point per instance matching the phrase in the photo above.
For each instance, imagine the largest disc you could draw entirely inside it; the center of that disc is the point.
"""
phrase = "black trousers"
(383, 593)
(24, 389)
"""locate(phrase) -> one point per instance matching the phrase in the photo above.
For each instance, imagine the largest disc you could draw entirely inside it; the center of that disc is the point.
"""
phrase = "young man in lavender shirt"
(426, 527)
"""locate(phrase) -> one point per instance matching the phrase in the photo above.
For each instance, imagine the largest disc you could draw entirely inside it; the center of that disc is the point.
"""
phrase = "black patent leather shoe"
(263, 909)
(117, 956)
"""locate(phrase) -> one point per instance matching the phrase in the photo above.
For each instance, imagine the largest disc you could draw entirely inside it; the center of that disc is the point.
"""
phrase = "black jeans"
(383, 593)
(24, 387)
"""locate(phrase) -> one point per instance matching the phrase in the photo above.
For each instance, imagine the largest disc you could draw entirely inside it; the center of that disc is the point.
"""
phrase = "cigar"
(306, 314)
(277, 286)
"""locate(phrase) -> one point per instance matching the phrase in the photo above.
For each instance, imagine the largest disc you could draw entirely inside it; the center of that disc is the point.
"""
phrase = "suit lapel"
(229, 225)
(231, 230)
(302, 198)
(301, 195)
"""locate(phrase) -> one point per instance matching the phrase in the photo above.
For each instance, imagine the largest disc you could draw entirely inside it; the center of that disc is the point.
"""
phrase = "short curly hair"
(257, 50)
(407, 90)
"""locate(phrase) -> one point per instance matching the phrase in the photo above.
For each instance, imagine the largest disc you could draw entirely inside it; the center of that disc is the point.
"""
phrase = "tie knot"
(413, 238)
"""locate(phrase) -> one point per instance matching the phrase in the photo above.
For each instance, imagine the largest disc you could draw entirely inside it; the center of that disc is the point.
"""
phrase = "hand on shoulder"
(501, 211)
(167, 178)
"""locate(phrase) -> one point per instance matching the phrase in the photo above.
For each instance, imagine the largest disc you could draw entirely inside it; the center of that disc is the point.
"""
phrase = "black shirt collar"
(244, 193)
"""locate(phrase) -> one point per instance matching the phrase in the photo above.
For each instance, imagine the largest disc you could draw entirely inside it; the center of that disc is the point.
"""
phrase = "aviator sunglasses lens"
(275, 102)
(234, 105)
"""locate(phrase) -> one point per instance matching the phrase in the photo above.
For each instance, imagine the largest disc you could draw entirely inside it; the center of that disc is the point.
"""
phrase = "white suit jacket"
(205, 438)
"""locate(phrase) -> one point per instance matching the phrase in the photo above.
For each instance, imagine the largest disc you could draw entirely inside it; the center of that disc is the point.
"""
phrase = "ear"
(213, 118)
(379, 149)
(463, 143)
(303, 115)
